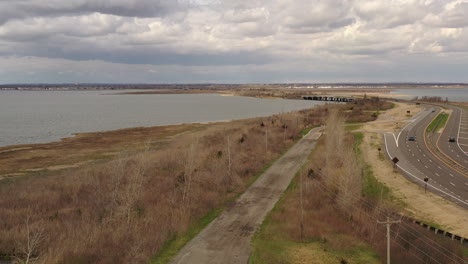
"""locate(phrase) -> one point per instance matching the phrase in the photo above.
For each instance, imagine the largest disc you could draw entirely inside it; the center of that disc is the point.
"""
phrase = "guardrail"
(438, 231)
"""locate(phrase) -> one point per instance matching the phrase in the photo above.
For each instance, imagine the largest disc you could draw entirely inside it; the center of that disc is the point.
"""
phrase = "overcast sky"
(233, 41)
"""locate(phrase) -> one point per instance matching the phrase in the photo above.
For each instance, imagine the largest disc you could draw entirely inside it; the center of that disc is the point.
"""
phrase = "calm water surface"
(453, 95)
(43, 116)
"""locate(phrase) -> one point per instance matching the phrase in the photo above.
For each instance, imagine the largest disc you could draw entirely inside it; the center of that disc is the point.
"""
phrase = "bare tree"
(334, 146)
(133, 189)
(302, 204)
(342, 171)
(350, 182)
(189, 171)
(229, 157)
(28, 248)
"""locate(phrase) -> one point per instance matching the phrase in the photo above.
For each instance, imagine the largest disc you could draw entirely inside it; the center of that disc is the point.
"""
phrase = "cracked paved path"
(227, 239)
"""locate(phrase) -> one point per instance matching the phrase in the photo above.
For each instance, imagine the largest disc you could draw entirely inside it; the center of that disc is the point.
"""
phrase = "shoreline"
(84, 148)
(89, 147)
(7, 148)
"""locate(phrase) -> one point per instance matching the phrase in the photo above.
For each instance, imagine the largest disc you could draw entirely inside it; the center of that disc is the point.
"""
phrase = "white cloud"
(188, 35)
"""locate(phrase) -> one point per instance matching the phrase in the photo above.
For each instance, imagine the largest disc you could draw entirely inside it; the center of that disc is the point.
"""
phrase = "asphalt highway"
(417, 162)
(457, 127)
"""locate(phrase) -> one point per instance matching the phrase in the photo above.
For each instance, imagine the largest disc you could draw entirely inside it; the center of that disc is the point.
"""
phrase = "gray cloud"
(247, 40)
(128, 8)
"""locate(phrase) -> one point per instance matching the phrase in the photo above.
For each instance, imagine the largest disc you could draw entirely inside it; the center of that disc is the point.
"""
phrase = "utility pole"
(388, 223)
(229, 156)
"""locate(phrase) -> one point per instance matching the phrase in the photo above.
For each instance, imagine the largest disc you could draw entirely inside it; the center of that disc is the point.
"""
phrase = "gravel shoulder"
(227, 238)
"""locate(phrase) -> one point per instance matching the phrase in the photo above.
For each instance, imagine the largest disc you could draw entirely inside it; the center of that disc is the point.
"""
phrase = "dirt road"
(227, 239)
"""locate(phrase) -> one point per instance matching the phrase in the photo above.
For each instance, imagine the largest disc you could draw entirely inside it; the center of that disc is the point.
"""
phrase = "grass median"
(438, 123)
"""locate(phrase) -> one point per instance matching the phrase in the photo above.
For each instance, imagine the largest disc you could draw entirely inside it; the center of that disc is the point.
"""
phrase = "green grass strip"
(371, 187)
(173, 246)
(438, 123)
(307, 130)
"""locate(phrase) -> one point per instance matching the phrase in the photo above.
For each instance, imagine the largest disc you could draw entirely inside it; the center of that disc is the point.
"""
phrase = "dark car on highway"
(452, 139)
(411, 138)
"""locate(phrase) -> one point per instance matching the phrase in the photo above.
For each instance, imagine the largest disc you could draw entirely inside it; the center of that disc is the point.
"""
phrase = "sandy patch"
(10, 175)
(14, 149)
(67, 166)
(393, 119)
(387, 95)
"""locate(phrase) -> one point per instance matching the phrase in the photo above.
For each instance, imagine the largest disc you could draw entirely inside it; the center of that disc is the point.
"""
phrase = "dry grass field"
(155, 185)
(123, 210)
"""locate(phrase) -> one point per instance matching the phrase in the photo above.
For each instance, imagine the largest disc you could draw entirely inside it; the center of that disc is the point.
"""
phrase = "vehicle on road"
(412, 138)
(452, 139)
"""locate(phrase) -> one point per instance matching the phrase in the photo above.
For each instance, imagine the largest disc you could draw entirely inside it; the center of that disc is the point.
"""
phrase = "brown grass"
(122, 211)
(125, 209)
(85, 147)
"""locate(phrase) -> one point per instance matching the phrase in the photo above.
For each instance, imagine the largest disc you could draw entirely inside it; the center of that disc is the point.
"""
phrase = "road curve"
(227, 239)
(457, 127)
(417, 162)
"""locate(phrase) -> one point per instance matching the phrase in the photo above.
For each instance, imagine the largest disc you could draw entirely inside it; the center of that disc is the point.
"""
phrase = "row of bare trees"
(341, 171)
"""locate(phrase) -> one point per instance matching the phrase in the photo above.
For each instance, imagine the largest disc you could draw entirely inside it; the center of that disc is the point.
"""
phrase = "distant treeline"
(437, 99)
(212, 86)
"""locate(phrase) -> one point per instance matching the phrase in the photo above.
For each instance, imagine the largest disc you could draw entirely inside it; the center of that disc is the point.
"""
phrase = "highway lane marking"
(463, 137)
(439, 167)
(466, 183)
(437, 174)
(426, 167)
(459, 127)
(418, 179)
(411, 122)
(463, 144)
(412, 154)
(452, 184)
(451, 174)
(419, 160)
